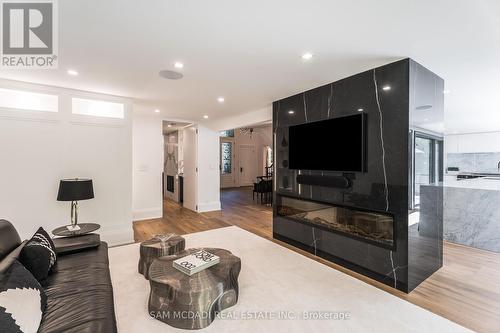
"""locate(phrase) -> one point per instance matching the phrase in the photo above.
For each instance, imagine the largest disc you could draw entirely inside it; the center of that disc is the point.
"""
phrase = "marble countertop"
(476, 183)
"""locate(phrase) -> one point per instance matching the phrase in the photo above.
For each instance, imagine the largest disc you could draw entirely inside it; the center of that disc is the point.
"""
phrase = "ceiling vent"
(424, 107)
(170, 75)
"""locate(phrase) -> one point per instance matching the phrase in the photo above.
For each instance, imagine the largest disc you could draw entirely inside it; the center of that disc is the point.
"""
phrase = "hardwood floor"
(466, 290)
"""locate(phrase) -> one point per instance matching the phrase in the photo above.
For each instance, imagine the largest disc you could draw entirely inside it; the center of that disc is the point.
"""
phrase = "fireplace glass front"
(369, 226)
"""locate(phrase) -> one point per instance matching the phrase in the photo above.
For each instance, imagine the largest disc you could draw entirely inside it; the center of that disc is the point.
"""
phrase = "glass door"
(427, 164)
(423, 165)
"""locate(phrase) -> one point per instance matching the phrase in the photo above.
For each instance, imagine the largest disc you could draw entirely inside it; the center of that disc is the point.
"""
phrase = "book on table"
(195, 262)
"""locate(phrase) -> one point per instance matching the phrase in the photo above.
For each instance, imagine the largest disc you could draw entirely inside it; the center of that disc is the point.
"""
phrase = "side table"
(84, 228)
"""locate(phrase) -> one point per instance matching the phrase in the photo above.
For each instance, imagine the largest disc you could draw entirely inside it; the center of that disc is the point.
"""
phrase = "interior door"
(190, 167)
(227, 166)
(247, 163)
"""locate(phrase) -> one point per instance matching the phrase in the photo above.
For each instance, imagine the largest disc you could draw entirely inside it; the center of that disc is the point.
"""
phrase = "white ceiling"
(249, 51)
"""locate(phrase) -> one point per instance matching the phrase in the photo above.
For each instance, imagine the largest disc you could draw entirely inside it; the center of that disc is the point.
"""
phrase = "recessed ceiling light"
(220, 99)
(291, 112)
(157, 111)
(446, 91)
(307, 56)
(386, 88)
(72, 72)
(361, 109)
(178, 65)
(205, 116)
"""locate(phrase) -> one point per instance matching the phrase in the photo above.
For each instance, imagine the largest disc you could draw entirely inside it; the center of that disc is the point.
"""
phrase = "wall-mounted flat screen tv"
(336, 144)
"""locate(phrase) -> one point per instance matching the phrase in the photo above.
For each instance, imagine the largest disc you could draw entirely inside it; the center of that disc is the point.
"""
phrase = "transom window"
(28, 101)
(96, 108)
(227, 133)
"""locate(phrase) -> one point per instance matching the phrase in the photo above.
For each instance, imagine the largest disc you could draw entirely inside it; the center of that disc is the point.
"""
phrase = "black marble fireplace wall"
(386, 96)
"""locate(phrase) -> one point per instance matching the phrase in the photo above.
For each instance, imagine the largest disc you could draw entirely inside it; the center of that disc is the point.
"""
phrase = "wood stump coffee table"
(158, 246)
(192, 302)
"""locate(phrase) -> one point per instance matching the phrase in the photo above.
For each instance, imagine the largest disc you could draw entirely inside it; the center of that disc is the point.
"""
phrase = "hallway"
(238, 209)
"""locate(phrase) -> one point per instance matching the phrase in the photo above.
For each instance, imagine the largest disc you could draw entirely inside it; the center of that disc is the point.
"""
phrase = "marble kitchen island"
(472, 213)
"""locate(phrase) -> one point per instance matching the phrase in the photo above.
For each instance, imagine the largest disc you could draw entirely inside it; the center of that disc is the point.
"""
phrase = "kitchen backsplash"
(474, 162)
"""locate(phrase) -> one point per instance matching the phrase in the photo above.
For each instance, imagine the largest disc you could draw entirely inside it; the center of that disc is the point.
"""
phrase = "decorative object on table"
(159, 246)
(196, 262)
(201, 295)
(74, 190)
(39, 255)
(22, 300)
(83, 228)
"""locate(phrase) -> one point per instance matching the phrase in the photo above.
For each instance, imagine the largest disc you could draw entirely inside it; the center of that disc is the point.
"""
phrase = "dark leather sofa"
(79, 290)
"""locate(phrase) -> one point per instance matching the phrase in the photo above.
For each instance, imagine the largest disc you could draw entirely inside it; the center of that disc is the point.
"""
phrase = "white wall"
(208, 170)
(147, 167)
(250, 118)
(37, 149)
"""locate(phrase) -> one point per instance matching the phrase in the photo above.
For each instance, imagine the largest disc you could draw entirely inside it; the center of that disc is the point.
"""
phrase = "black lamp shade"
(75, 189)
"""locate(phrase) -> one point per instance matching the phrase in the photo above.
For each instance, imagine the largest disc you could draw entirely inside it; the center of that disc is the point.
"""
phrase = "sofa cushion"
(9, 238)
(39, 255)
(11, 257)
(80, 294)
(22, 300)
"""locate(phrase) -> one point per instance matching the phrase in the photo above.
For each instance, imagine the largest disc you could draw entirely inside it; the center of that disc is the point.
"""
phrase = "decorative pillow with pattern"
(22, 300)
(39, 255)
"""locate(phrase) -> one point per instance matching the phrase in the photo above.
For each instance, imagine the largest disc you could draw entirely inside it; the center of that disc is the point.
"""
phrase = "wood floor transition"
(466, 290)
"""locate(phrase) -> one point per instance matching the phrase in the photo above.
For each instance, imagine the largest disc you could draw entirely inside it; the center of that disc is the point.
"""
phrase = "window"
(269, 156)
(96, 108)
(227, 134)
(28, 101)
(226, 157)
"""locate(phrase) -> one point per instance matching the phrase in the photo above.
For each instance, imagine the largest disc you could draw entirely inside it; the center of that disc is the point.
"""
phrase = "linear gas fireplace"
(373, 227)
(342, 174)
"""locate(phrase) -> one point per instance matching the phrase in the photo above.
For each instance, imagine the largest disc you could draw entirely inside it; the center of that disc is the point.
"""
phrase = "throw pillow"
(39, 255)
(22, 300)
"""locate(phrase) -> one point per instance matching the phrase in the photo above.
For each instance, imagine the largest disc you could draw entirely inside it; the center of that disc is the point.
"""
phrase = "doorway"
(178, 162)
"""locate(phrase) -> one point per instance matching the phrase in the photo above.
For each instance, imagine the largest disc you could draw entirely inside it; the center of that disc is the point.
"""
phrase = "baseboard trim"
(209, 206)
(148, 213)
(116, 237)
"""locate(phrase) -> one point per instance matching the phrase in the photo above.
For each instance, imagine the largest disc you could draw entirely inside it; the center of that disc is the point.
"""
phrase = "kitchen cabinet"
(473, 143)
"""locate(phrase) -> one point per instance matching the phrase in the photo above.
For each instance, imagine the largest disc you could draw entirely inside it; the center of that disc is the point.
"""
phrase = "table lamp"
(74, 190)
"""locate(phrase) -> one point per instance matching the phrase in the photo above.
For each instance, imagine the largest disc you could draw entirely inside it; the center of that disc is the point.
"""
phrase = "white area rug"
(274, 281)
